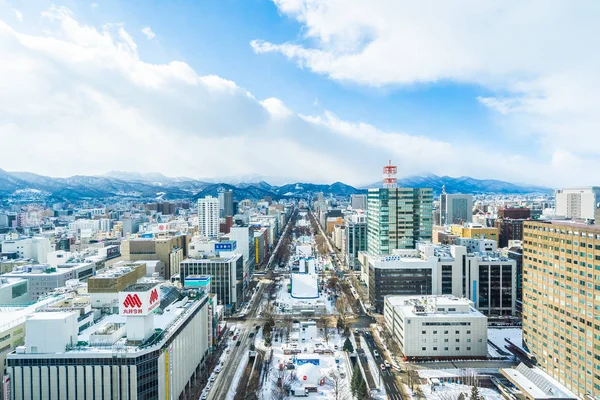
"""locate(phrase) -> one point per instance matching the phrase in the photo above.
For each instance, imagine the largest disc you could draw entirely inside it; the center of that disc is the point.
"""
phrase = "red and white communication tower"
(389, 176)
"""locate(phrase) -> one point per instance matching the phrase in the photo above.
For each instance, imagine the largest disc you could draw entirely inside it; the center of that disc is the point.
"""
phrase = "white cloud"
(94, 5)
(276, 107)
(18, 14)
(536, 57)
(148, 32)
(79, 100)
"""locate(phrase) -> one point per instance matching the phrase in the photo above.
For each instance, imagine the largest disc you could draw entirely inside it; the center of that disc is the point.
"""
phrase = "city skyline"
(113, 86)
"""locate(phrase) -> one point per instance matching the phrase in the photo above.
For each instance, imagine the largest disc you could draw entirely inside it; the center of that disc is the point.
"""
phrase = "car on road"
(387, 364)
(204, 396)
(375, 353)
(218, 369)
(238, 343)
(208, 386)
(235, 338)
(251, 334)
(382, 366)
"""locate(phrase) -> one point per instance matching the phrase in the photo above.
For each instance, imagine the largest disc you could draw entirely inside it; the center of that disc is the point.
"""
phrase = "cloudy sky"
(310, 90)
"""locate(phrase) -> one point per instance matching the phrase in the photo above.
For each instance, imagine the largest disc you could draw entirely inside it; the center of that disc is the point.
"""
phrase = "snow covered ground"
(497, 336)
(310, 366)
(454, 372)
(447, 391)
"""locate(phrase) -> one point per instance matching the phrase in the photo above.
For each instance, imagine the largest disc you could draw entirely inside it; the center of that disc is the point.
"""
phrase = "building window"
(468, 348)
(457, 340)
(435, 332)
(457, 332)
(424, 348)
(435, 349)
(468, 332)
(445, 332)
(423, 332)
(445, 348)
(458, 349)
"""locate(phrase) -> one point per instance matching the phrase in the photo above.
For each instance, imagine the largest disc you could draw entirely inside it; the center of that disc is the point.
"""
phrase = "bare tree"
(412, 377)
(338, 385)
(324, 323)
(283, 384)
(342, 308)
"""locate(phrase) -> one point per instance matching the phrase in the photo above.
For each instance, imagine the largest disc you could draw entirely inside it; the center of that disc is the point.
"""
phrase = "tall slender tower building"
(226, 203)
(397, 217)
(208, 216)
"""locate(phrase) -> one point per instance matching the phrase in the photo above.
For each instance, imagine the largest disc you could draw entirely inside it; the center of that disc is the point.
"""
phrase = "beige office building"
(561, 302)
(170, 250)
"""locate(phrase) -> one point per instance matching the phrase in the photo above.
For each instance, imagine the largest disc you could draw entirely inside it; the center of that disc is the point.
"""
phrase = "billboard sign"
(163, 227)
(139, 303)
(226, 246)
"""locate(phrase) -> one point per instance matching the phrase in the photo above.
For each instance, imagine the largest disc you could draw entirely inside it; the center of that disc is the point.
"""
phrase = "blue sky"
(433, 88)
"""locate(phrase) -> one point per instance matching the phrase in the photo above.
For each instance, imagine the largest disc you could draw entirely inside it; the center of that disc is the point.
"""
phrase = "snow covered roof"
(536, 384)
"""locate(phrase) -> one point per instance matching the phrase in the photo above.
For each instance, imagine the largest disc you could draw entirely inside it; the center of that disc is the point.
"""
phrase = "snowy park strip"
(373, 366)
(238, 375)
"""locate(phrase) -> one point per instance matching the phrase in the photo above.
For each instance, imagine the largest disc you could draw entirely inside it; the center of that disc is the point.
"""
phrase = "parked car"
(212, 378)
(204, 396)
(375, 353)
(238, 343)
(382, 367)
(218, 369)
(387, 364)
(251, 334)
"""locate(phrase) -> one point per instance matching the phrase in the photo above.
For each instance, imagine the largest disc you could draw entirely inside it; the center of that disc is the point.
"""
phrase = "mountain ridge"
(155, 185)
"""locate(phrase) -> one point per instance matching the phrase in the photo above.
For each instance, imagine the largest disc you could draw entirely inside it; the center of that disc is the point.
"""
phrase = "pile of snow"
(452, 391)
(304, 286)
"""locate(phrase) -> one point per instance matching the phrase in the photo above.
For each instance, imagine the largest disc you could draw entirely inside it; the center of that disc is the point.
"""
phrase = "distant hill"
(154, 185)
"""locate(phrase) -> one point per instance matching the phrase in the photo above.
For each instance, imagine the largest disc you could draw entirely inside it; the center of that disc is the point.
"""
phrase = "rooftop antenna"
(389, 176)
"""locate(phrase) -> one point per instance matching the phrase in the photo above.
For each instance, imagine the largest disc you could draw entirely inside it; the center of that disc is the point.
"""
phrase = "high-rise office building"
(226, 203)
(397, 218)
(356, 238)
(456, 208)
(561, 302)
(578, 203)
(208, 216)
(358, 201)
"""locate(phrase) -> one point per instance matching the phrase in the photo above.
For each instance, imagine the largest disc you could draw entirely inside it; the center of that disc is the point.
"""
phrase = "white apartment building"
(136, 354)
(36, 248)
(208, 216)
(578, 203)
(477, 245)
(436, 327)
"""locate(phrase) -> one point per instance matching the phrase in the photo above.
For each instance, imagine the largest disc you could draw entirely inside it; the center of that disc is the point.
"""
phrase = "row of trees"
(358, 386)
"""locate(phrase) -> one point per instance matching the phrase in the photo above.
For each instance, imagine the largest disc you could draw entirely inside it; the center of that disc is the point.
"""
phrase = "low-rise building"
(436, 327)
(104, 287)
(138, 354)
(227, 279)
(44, 278)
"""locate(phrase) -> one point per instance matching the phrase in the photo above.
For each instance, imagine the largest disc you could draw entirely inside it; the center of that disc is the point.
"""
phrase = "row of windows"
(445, 348)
